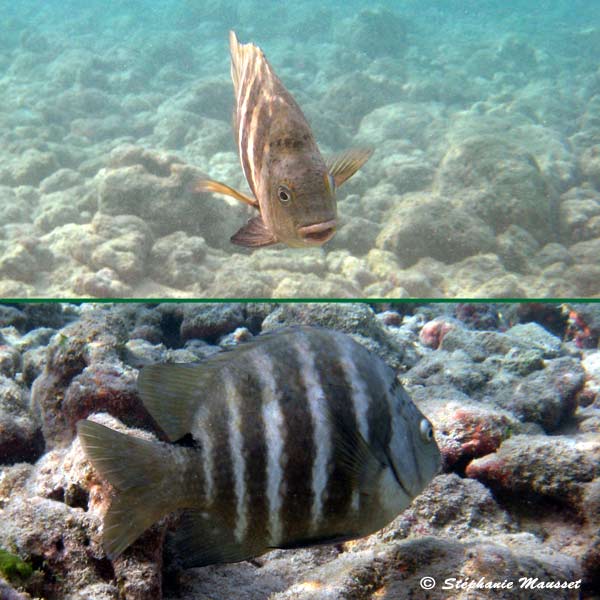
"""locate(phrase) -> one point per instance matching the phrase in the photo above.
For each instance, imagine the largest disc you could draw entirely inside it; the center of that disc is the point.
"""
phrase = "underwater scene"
(299, 451)
(458, 149)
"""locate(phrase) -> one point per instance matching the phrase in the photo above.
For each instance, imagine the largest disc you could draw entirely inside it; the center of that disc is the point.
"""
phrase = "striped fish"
(298, 437)
(293, 187)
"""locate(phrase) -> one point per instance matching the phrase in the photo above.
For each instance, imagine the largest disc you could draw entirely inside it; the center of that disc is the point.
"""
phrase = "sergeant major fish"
(299, 437)
(293, 187)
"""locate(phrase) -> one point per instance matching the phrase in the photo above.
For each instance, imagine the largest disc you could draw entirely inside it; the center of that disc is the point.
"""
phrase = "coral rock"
(413, 231)
(533, 468)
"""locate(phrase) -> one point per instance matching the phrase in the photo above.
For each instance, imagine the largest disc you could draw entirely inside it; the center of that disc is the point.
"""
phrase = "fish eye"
(426, 431)
(284, 194)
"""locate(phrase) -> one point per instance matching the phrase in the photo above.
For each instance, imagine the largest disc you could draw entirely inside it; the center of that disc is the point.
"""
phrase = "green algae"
(14, 569)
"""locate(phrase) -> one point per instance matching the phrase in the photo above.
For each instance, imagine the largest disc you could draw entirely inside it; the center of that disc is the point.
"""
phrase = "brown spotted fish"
(296, 438)
(293, 187)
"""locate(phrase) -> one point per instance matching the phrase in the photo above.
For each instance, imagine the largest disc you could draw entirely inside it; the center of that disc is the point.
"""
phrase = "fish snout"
(318, 233)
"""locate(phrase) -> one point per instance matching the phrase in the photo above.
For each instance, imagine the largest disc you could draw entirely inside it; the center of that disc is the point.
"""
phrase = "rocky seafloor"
(512, 391)
(485, 180)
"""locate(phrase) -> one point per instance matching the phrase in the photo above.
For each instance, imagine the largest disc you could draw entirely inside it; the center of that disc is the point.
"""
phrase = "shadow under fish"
(293, 187)
(298, 437)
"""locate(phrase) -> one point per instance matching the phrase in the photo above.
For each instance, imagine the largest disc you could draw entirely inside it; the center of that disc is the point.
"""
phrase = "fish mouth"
(318, 233)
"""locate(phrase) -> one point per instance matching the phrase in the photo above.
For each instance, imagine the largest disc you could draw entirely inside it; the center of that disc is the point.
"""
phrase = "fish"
(297, 437)
(293, 186)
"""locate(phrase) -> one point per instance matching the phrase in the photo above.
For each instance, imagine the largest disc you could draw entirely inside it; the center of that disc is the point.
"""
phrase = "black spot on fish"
(187, 441)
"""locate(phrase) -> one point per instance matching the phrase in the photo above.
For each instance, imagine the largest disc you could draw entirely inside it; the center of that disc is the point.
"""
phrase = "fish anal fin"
(201, 539)
(254, 234)
(344, 164)
(335, 538)
(216, 187)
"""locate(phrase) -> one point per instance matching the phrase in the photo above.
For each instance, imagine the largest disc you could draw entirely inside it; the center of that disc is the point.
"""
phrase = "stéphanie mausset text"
(524, 583)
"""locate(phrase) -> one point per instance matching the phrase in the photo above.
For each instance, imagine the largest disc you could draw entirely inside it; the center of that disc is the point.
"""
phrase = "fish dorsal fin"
(172, 393)
(344, 164)
(202, 540)
(216, 187)
(241, 56)
(254, 234)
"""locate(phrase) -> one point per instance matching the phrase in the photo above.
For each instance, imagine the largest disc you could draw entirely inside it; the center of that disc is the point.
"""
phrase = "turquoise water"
(484, 117)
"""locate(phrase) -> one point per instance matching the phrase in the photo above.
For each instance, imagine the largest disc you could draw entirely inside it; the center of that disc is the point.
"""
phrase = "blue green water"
(490, 108)
(275, 19)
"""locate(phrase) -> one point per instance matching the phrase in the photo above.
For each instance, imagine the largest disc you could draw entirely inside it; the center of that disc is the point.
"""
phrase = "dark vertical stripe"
(254, 451)
(224, 482)
(299, 446)
(378, 415)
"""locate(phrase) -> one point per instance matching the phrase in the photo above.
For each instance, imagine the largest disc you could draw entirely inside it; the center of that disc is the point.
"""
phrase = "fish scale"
(300, 437)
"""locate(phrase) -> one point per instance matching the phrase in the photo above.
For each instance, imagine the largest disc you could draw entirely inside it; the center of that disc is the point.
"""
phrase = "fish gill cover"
(484, 118)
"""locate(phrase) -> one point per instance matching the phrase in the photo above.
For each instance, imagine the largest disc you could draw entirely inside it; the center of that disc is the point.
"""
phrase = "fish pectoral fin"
(140, 471)
(216, 187)
(171, 394)
(354, 453)
(344, 164)
(254, 234)
(201, 539)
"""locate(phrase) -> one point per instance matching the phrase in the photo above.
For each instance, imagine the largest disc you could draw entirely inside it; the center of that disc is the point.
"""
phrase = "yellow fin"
(344, 164)
(216, 187)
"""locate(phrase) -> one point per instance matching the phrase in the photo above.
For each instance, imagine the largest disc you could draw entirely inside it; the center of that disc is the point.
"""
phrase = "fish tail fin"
(241, 55)
(141, 471)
